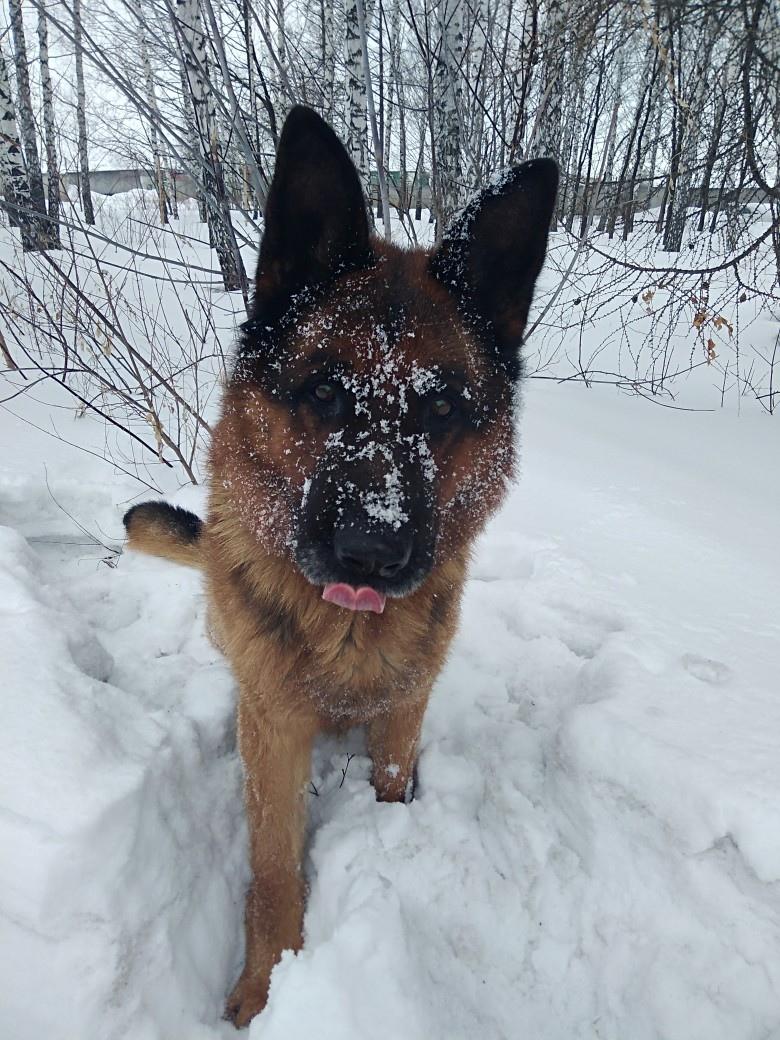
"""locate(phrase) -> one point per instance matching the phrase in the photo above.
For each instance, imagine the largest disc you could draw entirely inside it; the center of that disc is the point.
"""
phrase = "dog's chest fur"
(299, 651)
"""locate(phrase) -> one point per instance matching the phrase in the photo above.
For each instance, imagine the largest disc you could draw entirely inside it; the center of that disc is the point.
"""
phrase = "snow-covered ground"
(595, 846)
(594, 850)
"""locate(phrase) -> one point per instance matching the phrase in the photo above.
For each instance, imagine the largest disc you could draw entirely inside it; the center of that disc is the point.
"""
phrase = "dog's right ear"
(315, 217)
(492, 255)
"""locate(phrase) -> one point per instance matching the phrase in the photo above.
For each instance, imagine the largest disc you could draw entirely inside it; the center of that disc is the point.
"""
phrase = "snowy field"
(594, 850)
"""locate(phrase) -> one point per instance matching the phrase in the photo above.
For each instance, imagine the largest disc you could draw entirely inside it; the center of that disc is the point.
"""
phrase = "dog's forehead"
(393, 325)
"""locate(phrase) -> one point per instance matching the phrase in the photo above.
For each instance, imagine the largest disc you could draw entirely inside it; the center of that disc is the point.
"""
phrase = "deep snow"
(594, 850)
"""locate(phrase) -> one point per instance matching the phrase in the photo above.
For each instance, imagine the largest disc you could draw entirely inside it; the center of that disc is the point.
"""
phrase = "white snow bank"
(594, 847)
(122, 866)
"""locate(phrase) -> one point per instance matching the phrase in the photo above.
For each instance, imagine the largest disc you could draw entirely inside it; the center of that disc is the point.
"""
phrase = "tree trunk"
(689, 122)
(281, 46)
(328, 58)
(715, 137)
(251, 58)
(571, 129)
(419, 175)
(629, 206)
(151, 99)
(448, 103)
(194, 143)
(12, 171)
(609, 188)
(357, 115)
(475, 75)
(549, 139)
(404, 201)
(381, 173)
(81, 117)
(526, 59)
(656, 132)
(49, 133)
(40, 226)
(195, 65)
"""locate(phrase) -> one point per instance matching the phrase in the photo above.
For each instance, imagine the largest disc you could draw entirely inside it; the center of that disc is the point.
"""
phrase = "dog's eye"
(441, 407)
(325, 393)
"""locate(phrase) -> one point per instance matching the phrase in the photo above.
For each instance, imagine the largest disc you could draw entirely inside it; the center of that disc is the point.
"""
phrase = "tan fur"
(157, 539)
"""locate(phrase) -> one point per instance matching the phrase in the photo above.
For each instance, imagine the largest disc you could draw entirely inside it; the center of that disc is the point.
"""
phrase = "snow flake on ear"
(499, 181)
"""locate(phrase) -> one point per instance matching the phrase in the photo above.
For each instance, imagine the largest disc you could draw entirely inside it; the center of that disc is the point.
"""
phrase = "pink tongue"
(351, 598)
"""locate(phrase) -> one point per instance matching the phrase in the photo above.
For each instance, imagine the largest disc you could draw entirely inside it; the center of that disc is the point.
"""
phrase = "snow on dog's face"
(395, 425)
(371, 407)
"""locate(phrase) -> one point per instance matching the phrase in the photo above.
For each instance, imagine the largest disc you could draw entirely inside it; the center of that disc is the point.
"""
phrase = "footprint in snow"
(704, 668)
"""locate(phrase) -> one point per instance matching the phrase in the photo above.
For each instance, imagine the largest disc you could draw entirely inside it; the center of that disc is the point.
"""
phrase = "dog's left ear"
(491, 256)
(315, 216)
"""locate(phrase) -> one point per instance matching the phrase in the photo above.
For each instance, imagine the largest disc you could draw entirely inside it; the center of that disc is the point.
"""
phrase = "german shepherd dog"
(366, 436)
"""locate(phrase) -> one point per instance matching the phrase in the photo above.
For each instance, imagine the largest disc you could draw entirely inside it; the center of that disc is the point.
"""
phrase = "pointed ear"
(315, 216)
(492, 255)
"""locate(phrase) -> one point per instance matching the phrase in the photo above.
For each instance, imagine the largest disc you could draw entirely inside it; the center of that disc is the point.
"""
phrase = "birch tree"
(328, 58)
(151, 97)
(27, 126)
(378, 153)
(357, 111)
(13, 175)
(193, 52)
(251, 78)
(85, 188)
(548, 142)
(448, 82)
(474, 56)
(609, 192)
(49, 133)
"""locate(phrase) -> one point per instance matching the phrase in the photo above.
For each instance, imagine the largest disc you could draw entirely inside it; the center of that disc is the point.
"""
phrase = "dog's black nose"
(364, 553)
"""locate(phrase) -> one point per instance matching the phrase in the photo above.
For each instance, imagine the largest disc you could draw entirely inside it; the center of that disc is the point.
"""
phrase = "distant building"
(114, 182)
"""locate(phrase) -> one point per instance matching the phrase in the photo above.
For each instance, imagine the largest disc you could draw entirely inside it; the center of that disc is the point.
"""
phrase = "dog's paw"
(247, 999)
(391, 785)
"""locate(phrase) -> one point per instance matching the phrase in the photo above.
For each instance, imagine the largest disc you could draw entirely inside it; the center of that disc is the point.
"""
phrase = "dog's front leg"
(276, 750)
(393, 738)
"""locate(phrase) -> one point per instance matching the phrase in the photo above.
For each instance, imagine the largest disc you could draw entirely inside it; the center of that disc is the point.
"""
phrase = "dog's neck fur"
(349, 664)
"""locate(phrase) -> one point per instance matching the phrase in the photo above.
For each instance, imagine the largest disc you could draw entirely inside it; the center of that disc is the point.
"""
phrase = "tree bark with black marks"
(85, 188)
(448, 175)
(193, 52)
(151, 98)
(357, 105)
(40, 224)
(552, 85)
(49, 133)
(13, 175)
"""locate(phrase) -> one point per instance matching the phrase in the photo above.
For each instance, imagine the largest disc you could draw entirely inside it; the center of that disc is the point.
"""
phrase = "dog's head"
(368, 426)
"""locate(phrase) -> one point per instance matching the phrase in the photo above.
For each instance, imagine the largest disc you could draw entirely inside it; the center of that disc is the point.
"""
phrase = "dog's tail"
(164, 530)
